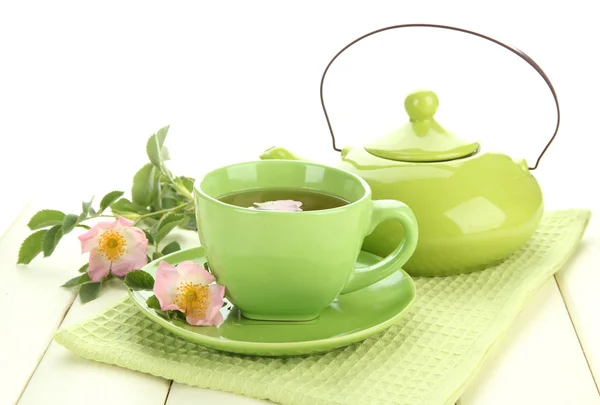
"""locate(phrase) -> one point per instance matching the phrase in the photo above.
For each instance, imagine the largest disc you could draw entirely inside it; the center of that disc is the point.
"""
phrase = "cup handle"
(382, 211)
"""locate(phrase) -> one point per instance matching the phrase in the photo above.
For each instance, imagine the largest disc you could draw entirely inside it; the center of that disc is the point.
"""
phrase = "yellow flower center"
(111, 245)
(192, 299)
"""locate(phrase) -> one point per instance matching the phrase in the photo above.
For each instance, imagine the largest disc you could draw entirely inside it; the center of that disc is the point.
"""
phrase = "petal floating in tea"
(280, 205)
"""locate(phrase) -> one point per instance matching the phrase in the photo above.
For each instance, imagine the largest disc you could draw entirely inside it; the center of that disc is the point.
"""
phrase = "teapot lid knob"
(421, 105)
(421, 139)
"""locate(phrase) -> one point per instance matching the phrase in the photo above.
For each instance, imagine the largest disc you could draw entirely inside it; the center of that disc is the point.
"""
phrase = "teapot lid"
(421, 139)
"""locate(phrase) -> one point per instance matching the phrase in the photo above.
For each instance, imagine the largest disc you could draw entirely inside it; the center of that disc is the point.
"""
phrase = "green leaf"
(75, 281)
(171, 247)
(45, 218)
(164, 154)
(123, 205)
(189, 222)
(86, 208)
(165, 197)
(83, 226)
(139, 280)
(163, 314)
(153, 303)
(154, 146)
(84, 268)
(69, 223)
(142, 191)
(51, 239)
(174, 314)
(89, 292)
(186, 182)
(31, 247)
(149, 237)
(109, 198)
(156, 255)
(170, 192)
(151, 223)
(168, 203)
(159, 187)
(167, 225)
(170, 315)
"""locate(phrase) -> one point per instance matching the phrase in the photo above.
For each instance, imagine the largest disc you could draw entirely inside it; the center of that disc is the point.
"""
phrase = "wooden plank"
(33, 302)
(65, 378)
(539, 361)
(579, 282)
(11, 211)
(12, 208)
(182, 394)
(62, 371)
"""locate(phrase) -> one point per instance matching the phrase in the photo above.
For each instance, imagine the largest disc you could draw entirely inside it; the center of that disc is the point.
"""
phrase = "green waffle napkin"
(427, 358)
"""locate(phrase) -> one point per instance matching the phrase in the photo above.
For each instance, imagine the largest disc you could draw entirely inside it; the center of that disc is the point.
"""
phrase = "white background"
(83, 84)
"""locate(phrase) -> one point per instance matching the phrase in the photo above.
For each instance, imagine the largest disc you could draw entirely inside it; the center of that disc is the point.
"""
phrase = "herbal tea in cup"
(284, 199)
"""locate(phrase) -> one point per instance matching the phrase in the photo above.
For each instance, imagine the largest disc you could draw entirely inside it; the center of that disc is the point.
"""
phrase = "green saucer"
(350, 318)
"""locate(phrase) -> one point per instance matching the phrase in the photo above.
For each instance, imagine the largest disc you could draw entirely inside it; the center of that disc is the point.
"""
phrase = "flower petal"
(212, 315)
(172, 307)
(135, 251)
(124, 221)
(132, 261)
(165, 285)
(194, 272)
(135, 239)
(217, 319)
(89, 240)
(216, 292)
(99, 267)
(280, 205)
(199, 321)
(107, 224)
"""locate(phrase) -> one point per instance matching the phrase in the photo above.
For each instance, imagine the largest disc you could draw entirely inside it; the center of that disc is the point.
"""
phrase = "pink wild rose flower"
(187, 288)
(279, 205)
(116, 247)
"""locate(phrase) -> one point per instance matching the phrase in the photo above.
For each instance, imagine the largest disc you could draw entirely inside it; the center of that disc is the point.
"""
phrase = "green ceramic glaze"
(350, 318)
(421, 139)
(473, 212)
(292, 265)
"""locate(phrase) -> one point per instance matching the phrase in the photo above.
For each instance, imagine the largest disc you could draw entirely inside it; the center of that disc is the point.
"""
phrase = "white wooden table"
(549, 356)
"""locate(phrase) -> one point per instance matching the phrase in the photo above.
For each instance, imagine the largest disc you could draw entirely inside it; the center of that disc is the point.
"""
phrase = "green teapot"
(474, 208)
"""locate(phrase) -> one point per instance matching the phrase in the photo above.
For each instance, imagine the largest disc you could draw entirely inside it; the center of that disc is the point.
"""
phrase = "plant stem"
(183, 191)
(165, 211)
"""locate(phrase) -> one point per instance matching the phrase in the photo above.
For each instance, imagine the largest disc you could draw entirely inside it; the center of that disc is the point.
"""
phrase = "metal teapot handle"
(513, 50)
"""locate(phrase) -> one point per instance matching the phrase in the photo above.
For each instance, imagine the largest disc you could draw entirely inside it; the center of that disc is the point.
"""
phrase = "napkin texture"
(426, 358)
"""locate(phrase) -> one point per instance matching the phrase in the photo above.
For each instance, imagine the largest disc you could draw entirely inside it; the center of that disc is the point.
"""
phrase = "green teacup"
(289, 266)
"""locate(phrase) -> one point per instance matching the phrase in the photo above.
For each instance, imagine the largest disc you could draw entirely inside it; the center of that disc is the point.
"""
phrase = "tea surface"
(283, 200)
